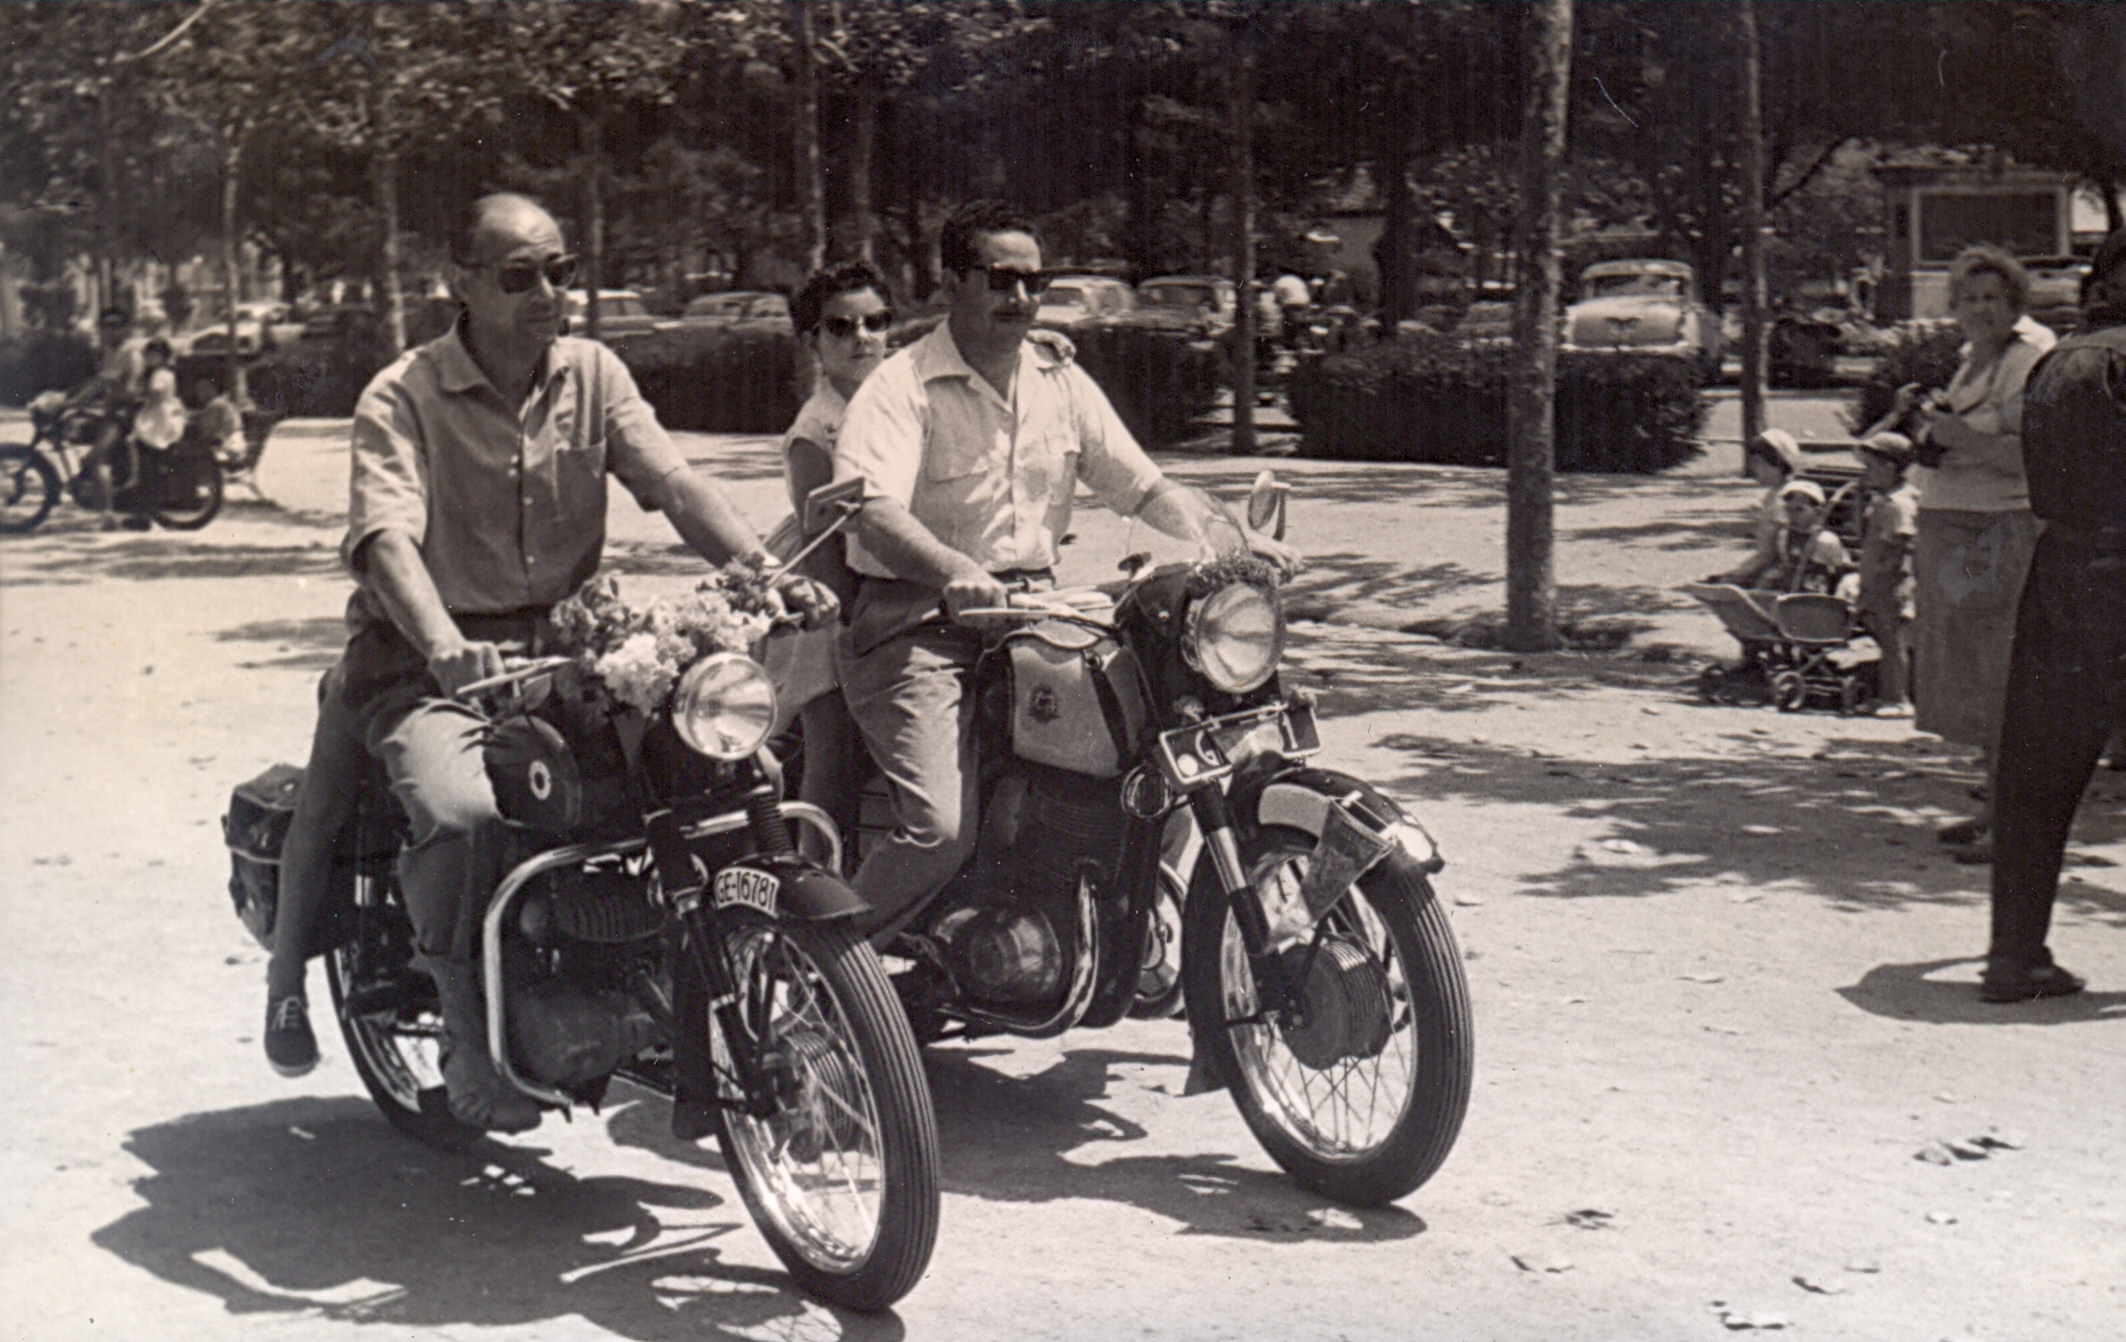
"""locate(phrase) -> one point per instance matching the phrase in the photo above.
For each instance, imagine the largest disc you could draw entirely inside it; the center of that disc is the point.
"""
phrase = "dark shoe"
(1963, 831)
(290, 1046)
(1978, 854)
(2021, 985)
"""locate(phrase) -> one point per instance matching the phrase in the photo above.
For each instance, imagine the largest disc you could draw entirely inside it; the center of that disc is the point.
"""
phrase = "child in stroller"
(1801, 640)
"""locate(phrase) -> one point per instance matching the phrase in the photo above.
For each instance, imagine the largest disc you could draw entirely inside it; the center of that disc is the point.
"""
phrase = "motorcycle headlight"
(1234, 637)
(724, 706)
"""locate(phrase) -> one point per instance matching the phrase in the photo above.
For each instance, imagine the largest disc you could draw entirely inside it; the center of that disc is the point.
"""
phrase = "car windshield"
(1064, 296)
(1179, 296)
(1611, 286)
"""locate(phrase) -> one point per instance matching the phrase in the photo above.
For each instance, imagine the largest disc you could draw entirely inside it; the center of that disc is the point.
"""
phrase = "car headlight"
(1234, 637)
(724, 706)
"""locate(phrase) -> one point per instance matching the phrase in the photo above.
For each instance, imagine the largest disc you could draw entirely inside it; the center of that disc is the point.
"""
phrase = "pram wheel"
(1712, 684)
(1789, 691)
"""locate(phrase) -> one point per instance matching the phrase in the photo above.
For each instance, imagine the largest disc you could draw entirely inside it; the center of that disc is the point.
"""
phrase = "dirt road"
(1722, 976)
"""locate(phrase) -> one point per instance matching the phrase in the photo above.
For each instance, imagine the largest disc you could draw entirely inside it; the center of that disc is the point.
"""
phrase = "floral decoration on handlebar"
(636, 653)
(1231, 567)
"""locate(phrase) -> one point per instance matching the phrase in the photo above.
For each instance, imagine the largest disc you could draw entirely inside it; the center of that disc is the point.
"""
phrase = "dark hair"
(956, 241)
(825, 285)
(114, 317)
(160, 346)
(1987, 260)
(465, 228)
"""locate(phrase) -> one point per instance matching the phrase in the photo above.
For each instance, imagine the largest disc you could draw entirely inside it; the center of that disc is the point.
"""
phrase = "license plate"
(1204, 752)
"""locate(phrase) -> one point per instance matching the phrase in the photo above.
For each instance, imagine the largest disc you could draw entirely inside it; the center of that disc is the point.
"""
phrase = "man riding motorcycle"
(478, 501)
(970, 443)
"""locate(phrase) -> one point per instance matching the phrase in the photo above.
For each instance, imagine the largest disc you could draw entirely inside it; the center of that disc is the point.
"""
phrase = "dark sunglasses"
(841, 328)
(1001, 278)
(519, 276)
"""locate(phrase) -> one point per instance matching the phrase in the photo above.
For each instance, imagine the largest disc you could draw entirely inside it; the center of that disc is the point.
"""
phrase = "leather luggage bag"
(1077, 698)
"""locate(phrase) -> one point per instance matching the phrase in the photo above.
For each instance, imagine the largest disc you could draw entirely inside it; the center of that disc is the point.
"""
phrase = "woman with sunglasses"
(841, 315)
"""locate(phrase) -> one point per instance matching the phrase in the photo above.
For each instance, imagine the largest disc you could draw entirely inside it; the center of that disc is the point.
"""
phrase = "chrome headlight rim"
(1206, 615)
(705, 699)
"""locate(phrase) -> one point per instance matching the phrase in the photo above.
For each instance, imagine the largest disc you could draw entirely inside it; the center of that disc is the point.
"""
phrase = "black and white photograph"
(858, 670)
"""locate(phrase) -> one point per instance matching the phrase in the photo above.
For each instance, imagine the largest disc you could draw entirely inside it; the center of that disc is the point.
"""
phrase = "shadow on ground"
(316, 1205)
(1911, 992)
(1040, 1138)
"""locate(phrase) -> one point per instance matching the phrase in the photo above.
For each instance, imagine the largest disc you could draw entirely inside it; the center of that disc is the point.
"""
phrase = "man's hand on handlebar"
(809, 603)
(1288, 560)
(974, 590)
(462, 665)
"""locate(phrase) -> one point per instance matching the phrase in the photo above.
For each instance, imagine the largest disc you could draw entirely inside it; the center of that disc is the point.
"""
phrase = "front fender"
(790, 888)
(1298, 796)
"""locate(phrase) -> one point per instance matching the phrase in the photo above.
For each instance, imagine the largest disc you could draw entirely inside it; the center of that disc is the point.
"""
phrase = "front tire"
(842, 1175)
(393, 1025)
(1361, 1096)
(29, 488)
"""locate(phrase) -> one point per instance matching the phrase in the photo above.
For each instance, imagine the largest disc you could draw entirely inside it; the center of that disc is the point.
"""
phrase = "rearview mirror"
(830, 505)
(1266, 504)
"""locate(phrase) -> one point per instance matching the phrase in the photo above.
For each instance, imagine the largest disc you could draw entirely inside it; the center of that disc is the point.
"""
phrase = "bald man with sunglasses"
(478, 501)
(970, 444)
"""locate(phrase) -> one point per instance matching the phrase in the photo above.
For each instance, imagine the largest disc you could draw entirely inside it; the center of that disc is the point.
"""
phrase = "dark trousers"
(2066, 694)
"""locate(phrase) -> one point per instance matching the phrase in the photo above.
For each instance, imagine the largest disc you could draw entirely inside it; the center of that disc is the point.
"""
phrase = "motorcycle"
(180, 486)
(656, 908)
(1156, 839)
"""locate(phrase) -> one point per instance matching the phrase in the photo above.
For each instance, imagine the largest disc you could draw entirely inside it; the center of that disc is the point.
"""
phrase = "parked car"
(1075, 301)
(255, 323)
(1210, 302)
(2056, 290)
(1644, 306)
(621, 312)
(1802, 351)
(738, 306)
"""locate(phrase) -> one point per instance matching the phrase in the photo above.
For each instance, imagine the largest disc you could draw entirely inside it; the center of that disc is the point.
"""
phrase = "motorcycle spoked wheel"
(1363, 1098)
(842, 1177)
(29, 488)
(192, 493)
(393, 1029)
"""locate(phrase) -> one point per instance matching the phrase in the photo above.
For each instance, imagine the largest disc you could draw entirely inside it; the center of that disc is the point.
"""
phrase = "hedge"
(1434, 399)
(43, 361)
(716, 379)
(1161, 382)
(1926, 354)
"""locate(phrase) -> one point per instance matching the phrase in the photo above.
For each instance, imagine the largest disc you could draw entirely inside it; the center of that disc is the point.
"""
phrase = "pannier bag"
(254, 830)
(1077, 699)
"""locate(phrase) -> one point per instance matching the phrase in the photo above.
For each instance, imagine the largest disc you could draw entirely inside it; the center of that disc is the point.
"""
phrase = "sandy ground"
(1722, 977)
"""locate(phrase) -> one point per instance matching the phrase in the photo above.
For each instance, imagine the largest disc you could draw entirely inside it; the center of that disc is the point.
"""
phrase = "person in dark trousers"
(2067, 677)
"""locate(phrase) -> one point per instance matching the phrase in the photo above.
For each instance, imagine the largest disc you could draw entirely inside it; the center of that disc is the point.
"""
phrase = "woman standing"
(841, 316)
(1976, 531)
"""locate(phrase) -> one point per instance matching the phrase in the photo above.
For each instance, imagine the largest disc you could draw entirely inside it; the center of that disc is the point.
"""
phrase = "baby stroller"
(1798, 648)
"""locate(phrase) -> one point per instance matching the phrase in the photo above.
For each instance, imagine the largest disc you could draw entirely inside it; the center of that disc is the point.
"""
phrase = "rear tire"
(1397, 993)
(194, 481)
(29, 488)
(1789, 691)
(842, 1177)
(392, 1023)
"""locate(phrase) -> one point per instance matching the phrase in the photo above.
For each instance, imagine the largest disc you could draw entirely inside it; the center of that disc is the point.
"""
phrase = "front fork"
(1214, 816)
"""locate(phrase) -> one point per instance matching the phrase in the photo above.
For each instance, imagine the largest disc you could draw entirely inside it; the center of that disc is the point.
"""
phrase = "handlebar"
(538, 666)
(1077, 603)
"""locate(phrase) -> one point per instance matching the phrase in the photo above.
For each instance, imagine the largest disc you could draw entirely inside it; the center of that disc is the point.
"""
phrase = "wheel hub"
(1343, 1004)
(816, 1092)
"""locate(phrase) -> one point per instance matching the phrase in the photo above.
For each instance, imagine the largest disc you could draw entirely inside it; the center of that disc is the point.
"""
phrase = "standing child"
(1887, 529)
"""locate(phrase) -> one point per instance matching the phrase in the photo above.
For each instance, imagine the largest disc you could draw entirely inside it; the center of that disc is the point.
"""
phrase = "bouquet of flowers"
(636, 653)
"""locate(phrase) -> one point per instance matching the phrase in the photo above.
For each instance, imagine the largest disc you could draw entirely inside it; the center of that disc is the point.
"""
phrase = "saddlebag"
(254, 830)
(1077, 699)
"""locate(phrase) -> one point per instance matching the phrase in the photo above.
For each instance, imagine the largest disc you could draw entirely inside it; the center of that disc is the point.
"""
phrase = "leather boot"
(478, 1095)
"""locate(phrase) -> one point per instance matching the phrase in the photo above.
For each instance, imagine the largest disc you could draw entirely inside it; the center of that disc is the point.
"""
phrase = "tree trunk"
(1753, 293)
(387, 204)
(2113, 219)
(1140, 226)
(231, 161)
(1240, 96)
(1531, 579)
(591, 131)
(811, 176)
(1393, 253)
(862, 147)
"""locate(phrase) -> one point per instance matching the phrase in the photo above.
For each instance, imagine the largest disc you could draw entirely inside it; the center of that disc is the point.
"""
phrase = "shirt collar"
(458, 372)
(938, 355)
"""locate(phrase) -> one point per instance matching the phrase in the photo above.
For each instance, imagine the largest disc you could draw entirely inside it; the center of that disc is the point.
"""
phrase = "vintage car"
(735, 308)
(621, 312)
(1073, 302)
(1644, 307)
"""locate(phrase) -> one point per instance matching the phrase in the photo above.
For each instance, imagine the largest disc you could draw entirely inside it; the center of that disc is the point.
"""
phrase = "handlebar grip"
(538, 666)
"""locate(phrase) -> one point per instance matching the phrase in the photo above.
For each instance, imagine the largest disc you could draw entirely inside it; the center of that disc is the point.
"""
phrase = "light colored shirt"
(989, 477)
(505, 501)
(1988, 400)
(1887, 531)
(160, 421)
(819, 421)
(124, 369)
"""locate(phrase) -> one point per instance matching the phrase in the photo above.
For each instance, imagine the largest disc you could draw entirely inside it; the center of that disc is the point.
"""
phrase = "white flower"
(636, 675)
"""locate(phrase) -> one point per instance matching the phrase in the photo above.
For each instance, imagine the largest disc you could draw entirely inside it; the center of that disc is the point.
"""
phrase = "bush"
(1926, 354)
(1160, 381)
(312, 378)
(44, 361)
(1443, 401)
(716, 380)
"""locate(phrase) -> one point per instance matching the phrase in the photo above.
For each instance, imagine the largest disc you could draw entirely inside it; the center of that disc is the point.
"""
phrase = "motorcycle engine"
(1013, 931)
(584, 952)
